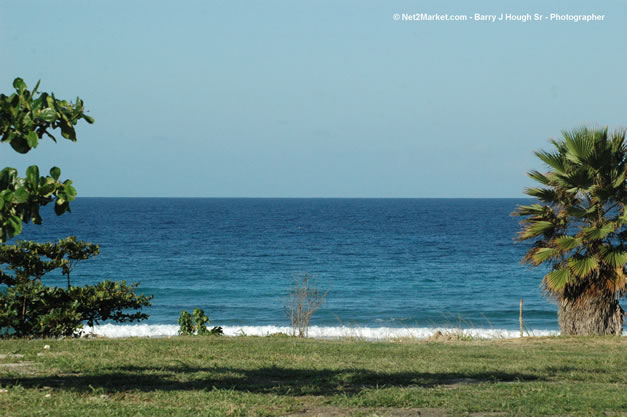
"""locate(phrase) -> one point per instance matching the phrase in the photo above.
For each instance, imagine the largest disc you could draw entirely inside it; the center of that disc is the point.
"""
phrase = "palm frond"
(567, 242)
(543, 254)
(619, 180)
(579, 219)
(554, 160)
(557, 279)
(536, 228)
(597, 233)
(579, 179)
(580, 145)
(581, 267)
(543, 194)
(576, 211)
(530, 210)
(538, 176)
(618, 142)
(614, 257)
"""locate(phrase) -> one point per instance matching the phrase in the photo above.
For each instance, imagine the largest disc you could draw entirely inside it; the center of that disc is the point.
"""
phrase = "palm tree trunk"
(590, 314)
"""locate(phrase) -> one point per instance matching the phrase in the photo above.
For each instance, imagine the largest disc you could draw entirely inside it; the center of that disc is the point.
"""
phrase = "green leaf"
(32, 139)
(581, 267)
(541, 226)
(19, 84)
(557, 279)
(7, 176)
(59, 209)
(543, 194)
(576, 211)
(14, 226)
(67, 131)
(580, 145)
(48, 114)
(7, 195)
(567, 242)
(22, 195)
(32, 175)
(544, 254)
(47, 189)
(535, 228)
(615, 257)
(20, 144)
(538, 176)
(36, 88)
(89, 119)
(70, 192)
(55, 172)
(593, 233)
(554, 160)
(530, 210)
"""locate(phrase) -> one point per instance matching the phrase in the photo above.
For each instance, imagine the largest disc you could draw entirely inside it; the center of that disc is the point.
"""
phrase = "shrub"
(110, 300)
(304, 300)
(187, 326)
(30, 308)
(201, 321)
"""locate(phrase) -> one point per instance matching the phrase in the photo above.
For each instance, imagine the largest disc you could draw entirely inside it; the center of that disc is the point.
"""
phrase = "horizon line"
(319, 198)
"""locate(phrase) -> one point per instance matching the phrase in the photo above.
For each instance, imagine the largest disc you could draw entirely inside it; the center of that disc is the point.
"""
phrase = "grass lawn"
(283, 376)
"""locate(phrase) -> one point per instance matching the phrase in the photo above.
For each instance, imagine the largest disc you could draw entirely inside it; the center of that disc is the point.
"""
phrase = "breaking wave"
(318, 332)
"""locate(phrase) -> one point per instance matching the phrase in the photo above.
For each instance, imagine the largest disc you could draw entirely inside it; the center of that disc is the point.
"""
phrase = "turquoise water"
(396, 263)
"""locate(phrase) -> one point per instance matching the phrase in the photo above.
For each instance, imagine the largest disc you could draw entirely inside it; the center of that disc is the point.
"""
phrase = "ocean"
(393, 267)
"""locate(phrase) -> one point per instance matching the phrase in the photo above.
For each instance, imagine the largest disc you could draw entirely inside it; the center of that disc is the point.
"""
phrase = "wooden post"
(520, 318)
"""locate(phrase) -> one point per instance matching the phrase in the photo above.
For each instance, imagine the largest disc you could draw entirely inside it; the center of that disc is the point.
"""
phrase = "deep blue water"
(388, 262)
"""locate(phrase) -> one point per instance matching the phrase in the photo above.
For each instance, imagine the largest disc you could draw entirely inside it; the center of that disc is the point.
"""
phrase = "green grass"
(276, 376)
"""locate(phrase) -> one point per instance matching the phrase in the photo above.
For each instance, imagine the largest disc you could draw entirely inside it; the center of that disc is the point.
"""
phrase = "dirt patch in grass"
(383, 412)
(25, 367)
(452, 383)
(10, 355)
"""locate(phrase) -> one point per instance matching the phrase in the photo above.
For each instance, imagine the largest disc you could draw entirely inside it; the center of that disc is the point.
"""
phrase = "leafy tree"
(30, 308)
(25, 118)
(27, 307)
(69, 251)
(31, 259)
(109, 300)
(578, 229)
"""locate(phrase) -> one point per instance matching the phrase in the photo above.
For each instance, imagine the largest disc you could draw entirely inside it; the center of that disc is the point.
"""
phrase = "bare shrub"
(304, 299)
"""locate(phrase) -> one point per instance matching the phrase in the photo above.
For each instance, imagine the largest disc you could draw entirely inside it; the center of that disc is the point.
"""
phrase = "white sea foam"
(320, 332)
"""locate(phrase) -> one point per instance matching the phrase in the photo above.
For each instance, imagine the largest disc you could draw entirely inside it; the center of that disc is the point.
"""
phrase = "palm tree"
(578, 229)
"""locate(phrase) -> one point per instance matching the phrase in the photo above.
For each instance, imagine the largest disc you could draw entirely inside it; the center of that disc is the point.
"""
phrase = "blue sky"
(312, 99)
